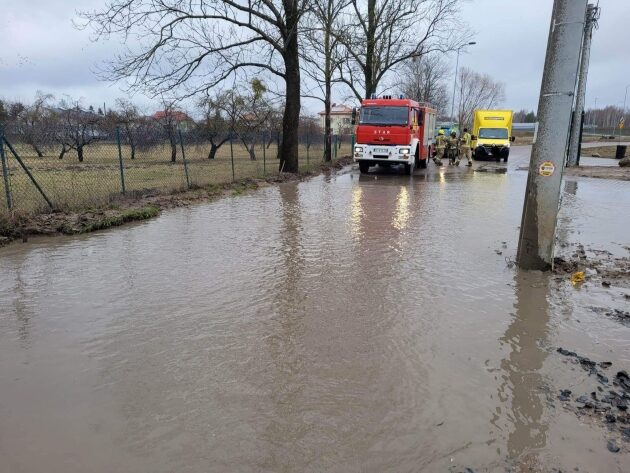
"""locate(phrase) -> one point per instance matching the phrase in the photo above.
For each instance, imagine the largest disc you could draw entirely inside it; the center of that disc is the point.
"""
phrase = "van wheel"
(364, 166)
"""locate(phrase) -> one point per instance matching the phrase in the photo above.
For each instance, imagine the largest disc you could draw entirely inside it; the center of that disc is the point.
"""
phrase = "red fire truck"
(394, 131)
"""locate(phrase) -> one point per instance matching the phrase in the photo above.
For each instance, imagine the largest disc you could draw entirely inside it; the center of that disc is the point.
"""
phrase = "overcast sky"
(41, 50)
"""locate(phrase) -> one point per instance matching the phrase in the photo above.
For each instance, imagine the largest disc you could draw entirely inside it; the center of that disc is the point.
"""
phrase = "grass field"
(526, 138)
(607, 151)
(96, 182)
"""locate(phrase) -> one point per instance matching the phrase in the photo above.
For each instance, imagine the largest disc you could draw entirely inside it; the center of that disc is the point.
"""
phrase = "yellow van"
(492, 134)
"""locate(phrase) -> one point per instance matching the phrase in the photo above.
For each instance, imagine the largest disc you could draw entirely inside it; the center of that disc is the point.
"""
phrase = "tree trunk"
(173, 142)
(37, 150)
(80, 153)
(327, 98)
(250, 149)
(291, 118)
(63, 152)
(370, 87)
(132, 144)
(278, 135)
(213, 151)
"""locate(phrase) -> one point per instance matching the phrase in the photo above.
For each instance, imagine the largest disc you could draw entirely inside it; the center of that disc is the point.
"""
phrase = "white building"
(340, 119)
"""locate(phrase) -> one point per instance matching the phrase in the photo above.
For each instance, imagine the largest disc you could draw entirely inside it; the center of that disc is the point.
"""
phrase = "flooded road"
(345, 324)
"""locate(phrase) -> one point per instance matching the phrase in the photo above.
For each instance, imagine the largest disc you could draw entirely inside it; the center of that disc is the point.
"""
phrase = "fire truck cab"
(394, 131)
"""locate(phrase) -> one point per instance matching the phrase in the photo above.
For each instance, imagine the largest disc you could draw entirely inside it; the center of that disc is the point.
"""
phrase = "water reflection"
(285, 427)
(356, 210)
(402, 213)
(522, 380)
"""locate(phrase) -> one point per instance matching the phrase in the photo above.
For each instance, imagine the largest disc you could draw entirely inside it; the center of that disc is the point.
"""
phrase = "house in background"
(174, 117)
(340, 119)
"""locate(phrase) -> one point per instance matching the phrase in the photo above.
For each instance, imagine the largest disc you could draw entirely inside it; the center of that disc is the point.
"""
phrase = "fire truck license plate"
(381, 151)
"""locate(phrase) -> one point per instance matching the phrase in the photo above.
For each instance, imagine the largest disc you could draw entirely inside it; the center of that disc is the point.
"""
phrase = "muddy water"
(345, 324)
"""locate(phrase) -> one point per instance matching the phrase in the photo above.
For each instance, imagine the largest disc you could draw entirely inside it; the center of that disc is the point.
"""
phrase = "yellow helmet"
(441, 132)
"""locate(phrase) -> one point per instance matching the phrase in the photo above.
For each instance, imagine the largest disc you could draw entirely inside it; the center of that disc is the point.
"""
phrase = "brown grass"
(96, 182)
(603, 151)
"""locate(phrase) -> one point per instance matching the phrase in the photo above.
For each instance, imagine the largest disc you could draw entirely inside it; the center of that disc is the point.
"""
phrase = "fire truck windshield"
(384, 116)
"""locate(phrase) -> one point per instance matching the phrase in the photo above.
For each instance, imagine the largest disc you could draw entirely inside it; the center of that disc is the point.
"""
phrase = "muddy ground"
(600, 172)
(604, 151)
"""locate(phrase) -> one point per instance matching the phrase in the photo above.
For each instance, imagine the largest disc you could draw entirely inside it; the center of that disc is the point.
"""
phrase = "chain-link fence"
(92, 168)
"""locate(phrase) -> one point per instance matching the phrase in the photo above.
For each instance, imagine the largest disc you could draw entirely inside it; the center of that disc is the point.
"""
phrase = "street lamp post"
(455, 79)
(623, 110)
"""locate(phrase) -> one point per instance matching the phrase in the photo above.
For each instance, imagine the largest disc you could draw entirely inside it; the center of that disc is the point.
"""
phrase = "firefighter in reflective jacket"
(465, 147)
(452, 149)
(440, 145)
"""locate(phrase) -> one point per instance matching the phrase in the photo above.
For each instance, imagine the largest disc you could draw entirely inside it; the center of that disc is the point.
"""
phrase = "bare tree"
(323, 57)
(247, 113)
(31, 121)
(477, 91)
(379, 36)
(74, 128)
(607, 117)
(128, 117)
(4, 113)
(524, 116)
(169, 119)
(214, 127)
(424, 79)
(190, 47)
(272, 129)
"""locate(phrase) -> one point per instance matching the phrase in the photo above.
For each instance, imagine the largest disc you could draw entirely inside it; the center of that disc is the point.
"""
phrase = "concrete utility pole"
(592, 15)
(542, 196)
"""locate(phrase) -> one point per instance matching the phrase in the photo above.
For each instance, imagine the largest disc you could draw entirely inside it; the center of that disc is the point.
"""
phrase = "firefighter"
(440, 144)
(452, 149)
(465, 147)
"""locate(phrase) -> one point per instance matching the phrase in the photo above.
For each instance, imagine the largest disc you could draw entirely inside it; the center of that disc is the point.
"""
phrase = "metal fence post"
(5, 171)
(181, 144)
(308, 148)
(29, 174)
(232, 156)
(264, 144)
(120, 161)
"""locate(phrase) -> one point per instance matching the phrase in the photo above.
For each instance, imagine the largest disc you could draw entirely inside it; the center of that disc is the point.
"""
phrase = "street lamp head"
(472, 42)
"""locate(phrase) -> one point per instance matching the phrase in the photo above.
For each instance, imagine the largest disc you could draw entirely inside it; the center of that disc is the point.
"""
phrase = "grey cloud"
(42, 50)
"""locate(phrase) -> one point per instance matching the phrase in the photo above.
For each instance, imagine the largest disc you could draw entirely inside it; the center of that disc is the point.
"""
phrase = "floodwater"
(345, 324)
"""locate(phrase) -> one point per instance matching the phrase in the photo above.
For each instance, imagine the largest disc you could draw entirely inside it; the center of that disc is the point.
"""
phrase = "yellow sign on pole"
(621, 122)
(546, 169)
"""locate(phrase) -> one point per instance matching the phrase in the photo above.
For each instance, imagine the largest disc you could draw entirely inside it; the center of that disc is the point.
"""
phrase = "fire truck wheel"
(364, 166)
(407, 169)
(422, 164)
